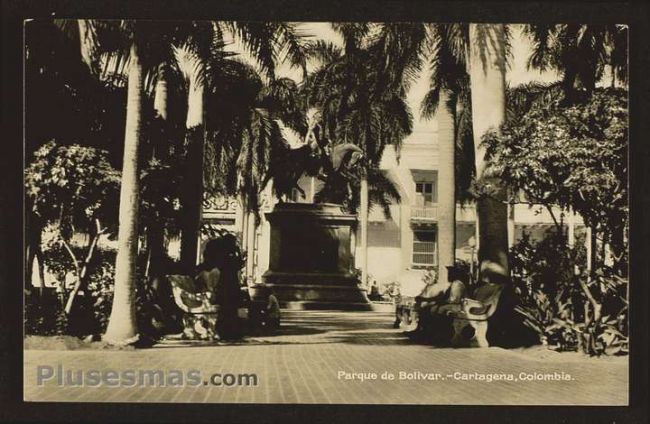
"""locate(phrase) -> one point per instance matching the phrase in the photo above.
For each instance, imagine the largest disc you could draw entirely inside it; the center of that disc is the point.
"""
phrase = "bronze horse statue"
(316, 158)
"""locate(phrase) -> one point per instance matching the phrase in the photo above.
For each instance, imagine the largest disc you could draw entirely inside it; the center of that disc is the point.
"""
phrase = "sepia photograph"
(367, 212)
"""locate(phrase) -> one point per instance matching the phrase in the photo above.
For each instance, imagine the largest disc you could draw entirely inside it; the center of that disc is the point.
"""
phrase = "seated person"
(456, 292)
(208, 272)
(408, 297)
(374, 291)
(164, 317)
(264, 309)
(434, 325)
(433, 289)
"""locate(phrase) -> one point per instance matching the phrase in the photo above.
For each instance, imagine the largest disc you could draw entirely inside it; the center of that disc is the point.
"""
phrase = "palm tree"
(407, 47)
(122, 324)
(446, 189)
(200, 55)
(446, 102)
(155, 231)
(243, 135)
(451, 49)
(192, 56)
(160, 153)
(580, 53)
(362, 101)
(487, 68)
(139, 48)
(133, 46)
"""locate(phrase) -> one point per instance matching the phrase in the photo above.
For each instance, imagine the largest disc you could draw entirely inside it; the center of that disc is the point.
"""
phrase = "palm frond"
(290, 41)
(382, 191)
(259, 40)
(520, 99)
(447, 49)
(283, 100)
(430, 102)
(323, 51)
(540, 36)
(190, 64)
(354, 34)
(400, 47)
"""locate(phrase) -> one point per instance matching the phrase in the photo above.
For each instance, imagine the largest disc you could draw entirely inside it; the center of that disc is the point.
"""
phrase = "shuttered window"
(424, 248)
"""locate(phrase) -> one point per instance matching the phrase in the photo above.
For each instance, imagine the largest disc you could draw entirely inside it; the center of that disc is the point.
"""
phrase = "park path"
(316, 354)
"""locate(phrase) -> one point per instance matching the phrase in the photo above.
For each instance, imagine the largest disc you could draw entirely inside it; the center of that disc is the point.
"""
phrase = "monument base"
(311, 262)
(317, 291)
(317, 296)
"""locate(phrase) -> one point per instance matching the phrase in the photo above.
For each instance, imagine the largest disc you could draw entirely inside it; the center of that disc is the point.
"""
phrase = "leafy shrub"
(574, 157)
(92, 307)
(607, 332)
(100, 289)
(43, 313)
(568, 309)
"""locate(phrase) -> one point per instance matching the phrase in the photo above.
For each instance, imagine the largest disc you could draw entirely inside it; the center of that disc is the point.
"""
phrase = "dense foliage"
(580, 53)
(72, 186)
(45, 312)
(562, 303)
(574, 157)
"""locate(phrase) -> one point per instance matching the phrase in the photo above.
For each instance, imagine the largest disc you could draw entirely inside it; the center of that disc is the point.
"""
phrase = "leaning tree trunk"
(487, 64)
(193, 186)
(122, 326)
(446, 187)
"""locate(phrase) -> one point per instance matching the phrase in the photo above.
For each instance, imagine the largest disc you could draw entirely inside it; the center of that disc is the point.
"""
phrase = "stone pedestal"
(311, 264)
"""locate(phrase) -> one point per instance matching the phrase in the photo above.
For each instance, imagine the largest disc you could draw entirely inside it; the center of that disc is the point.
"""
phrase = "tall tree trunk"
(363, 218)
(487, 79)
(193, 192)
(122, 326)
(156, 231)
(446, 187)
(250, 248)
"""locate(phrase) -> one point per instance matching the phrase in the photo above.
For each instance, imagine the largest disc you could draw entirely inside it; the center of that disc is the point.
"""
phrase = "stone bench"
(258, 315)
(471, 319)
(200, 314)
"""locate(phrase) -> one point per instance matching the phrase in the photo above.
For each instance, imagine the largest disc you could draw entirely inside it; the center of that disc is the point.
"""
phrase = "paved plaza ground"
(312, 358)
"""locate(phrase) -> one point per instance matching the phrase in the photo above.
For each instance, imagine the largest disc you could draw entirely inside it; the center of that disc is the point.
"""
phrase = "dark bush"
(568, 308)
(43, 313)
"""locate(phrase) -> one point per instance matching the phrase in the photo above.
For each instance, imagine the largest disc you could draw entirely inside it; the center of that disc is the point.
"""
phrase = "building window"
(424, 195)
(424, 248)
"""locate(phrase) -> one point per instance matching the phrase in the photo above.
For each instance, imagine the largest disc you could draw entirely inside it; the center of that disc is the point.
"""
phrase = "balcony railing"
(424, 213)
